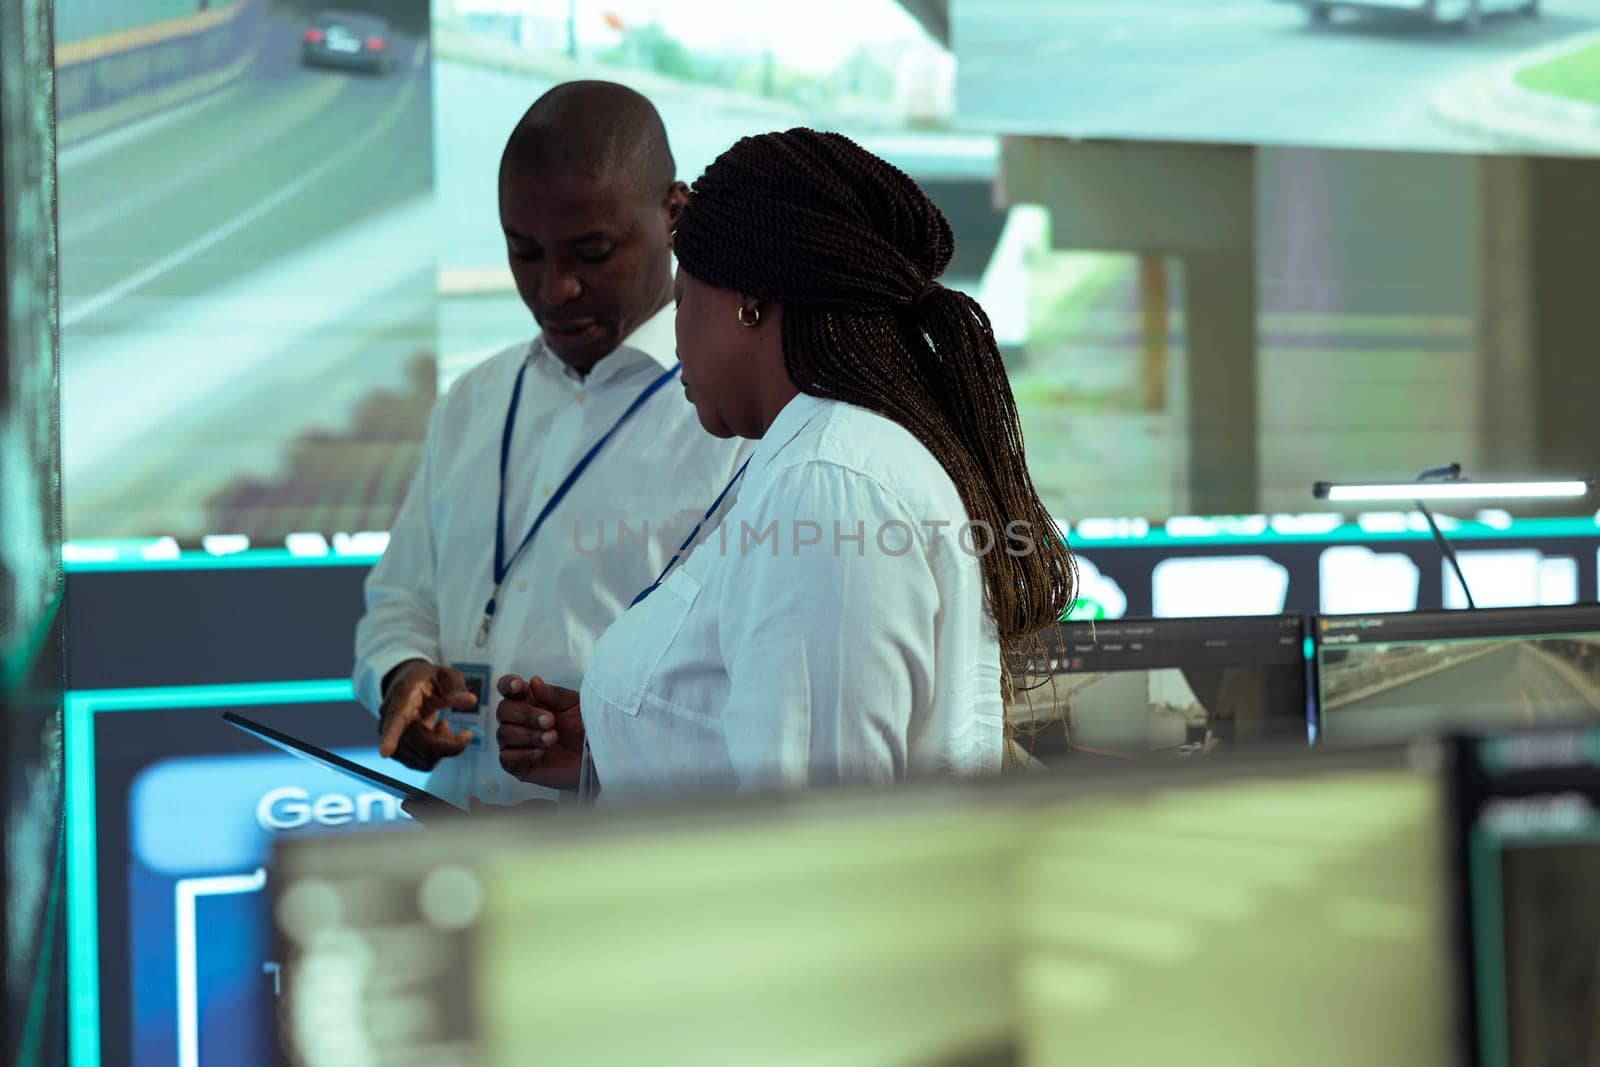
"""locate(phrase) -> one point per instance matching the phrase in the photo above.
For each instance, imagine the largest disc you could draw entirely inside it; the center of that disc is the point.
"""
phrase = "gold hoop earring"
(753, 320)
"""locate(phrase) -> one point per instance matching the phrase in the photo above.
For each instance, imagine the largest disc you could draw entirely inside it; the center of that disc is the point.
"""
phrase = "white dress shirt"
(601, 545)
(770, 662)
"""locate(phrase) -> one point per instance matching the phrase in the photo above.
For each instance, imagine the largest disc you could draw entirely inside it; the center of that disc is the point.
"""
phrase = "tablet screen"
(305, 750)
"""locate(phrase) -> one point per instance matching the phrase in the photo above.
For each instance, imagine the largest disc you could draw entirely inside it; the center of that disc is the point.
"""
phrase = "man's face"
(591, 257)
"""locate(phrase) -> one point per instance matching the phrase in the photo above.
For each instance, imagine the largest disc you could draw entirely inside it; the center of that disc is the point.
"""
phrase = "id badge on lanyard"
(477, 719)
(503, 562)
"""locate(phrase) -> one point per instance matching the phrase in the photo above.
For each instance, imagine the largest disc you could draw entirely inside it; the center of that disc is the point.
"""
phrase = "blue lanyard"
(502, 564)
(687, 541)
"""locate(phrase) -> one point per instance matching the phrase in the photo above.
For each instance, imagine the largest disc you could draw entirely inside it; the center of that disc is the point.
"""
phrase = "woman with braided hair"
(842, 611)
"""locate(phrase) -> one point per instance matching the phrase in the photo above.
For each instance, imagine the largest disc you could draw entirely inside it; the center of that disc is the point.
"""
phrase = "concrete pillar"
(1541, 318)
(1564, 208)
(1196, 203)
(1509, 394)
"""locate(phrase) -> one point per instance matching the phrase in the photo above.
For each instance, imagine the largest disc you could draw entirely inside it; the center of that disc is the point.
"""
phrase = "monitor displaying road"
(1284, 72)
(247, 272)
(1413, 688)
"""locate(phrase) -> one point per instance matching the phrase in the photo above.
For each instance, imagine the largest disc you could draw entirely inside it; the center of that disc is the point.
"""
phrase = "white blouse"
(830, 627)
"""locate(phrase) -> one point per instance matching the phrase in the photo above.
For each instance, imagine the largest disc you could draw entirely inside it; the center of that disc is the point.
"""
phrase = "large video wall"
(271, 267)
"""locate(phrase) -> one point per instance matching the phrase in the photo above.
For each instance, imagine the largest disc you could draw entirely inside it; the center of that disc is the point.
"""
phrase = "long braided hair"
(851, 248)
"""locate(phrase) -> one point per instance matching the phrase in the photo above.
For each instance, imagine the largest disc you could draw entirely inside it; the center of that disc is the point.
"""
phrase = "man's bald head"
(588, 199)
(593, 129)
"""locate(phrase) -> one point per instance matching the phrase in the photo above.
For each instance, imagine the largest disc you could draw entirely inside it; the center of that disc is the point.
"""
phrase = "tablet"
(307, 751)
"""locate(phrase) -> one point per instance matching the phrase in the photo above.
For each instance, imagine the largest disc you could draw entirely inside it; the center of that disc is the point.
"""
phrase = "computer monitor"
(1386, 677)
(1526, 831)
(873, 932)
(1243, 909)
(1135, 687)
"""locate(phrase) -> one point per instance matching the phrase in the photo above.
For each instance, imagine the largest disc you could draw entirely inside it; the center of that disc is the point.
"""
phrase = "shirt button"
(578, 398)
(547, 489)
(494, 787)
(522, 587)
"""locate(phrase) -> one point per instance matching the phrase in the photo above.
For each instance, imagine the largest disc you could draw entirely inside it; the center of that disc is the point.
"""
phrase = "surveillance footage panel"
(1451, 76)
(1132, 688)
(1386, 677)
(247, 261)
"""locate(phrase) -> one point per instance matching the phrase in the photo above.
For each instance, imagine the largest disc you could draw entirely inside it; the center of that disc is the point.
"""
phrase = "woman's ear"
(750, 311)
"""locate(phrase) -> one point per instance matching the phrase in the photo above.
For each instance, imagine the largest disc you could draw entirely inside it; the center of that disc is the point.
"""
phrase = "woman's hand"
(540, 733)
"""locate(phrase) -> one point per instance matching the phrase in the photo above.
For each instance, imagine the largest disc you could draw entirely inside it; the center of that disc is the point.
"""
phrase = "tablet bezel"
(316, 754)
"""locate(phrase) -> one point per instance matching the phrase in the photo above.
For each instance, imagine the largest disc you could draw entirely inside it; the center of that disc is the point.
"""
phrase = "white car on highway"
(1469, 13)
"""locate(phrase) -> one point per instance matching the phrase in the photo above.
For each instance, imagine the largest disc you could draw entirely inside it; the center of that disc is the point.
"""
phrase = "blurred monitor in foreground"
(796, 936)
(1251, 909)
(1280, 912)
(1527, 840)
(1397, 676)
(1136, 687)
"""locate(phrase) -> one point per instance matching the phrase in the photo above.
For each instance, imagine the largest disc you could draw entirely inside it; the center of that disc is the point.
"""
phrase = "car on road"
(1468, 13)
(349, 41)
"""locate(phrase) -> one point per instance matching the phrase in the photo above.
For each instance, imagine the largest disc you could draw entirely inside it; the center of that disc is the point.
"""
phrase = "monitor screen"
(876, 934)
(1285, 913)
(1135, 687)
(1435, 75)
(279, 234)
(1389, 676)
(172, 817)
(1527, 848)
(248, 264)
(1106, 917)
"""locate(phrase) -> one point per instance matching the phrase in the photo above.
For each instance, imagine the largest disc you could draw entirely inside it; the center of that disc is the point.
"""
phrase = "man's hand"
(410, 726)
(541, 732)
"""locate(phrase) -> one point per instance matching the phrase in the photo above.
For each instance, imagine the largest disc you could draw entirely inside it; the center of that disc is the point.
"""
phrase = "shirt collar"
(654, 344)
(796, 415)
(657, 337)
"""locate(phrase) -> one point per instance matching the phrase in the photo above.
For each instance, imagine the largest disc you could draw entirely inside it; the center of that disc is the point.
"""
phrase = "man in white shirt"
(578, 446)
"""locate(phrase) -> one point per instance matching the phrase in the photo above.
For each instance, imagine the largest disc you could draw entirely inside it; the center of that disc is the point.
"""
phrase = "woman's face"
(717, 353)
